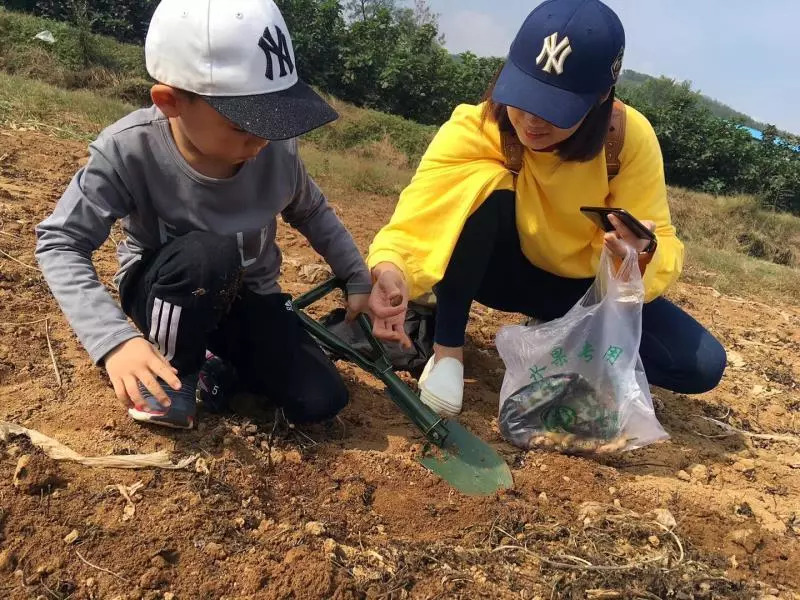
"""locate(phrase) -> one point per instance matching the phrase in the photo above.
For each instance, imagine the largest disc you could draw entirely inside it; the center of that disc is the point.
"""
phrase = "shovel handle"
(318, 293)
(431, 425)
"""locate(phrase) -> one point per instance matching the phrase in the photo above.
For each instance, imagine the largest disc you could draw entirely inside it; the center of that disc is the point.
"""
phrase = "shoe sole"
(160, 420)
(437, 405)
(440, 407)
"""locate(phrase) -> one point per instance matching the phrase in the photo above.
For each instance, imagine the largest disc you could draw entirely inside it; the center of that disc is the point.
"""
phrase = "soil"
(343, 510)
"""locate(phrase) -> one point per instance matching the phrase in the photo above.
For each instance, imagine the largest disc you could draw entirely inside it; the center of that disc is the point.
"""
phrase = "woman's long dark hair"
(582, 146)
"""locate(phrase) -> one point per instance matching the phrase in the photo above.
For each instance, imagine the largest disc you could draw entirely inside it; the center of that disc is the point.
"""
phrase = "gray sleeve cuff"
(100, 350)
(360, 283)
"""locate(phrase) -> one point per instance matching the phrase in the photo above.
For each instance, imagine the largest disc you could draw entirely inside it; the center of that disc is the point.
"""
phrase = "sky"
(744, 53)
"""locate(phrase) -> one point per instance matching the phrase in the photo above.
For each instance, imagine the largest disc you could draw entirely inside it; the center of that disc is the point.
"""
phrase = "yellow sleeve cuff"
(653, 287)
(663, 271)
(384, 255)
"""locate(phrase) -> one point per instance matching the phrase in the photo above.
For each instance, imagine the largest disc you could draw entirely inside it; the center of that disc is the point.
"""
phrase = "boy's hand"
(357, 304)
(388, 303)
(134, 361)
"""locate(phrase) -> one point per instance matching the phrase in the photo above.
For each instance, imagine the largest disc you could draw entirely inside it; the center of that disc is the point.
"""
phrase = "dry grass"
(736, 225)
(369, 131)
(26, 102)
(359, 170)
(740, 275)
(736, 247)
(31, 104)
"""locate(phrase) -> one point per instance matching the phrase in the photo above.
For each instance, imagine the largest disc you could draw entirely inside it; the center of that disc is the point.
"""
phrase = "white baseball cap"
(238, 56)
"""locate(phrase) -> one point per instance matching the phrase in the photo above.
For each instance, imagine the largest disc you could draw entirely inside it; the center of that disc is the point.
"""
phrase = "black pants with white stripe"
(187, 298)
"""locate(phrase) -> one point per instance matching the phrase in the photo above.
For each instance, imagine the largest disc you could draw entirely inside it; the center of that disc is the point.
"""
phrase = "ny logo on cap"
(281, 50)
(555, 53)
(616, 66)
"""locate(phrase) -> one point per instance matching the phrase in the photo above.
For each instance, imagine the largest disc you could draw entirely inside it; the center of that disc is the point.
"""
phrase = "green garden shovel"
(459, 457)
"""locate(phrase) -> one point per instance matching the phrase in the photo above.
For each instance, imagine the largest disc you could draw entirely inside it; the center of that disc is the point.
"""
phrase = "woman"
(469, 229)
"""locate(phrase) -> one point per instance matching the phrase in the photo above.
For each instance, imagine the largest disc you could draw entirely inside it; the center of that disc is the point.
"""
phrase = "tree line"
(717, 108)
(705, 152)
(386, 55)
(374, 53)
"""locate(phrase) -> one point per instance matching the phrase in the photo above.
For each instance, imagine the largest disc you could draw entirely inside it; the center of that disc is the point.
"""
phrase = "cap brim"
(561, 108)
(277, 115)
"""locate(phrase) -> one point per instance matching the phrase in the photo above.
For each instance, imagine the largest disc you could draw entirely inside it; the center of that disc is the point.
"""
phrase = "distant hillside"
(634, 78)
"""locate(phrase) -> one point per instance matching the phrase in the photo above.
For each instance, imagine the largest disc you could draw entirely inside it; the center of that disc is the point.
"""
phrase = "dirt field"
(344, 511)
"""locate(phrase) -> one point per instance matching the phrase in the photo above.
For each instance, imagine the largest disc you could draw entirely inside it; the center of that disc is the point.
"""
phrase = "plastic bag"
(45, 36)
(419, 326)
(577, 383)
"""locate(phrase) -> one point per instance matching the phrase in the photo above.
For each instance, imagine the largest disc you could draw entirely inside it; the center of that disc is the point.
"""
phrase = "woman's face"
(536, 133)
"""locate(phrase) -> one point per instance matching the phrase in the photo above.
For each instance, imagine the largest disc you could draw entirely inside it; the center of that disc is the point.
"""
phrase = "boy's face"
(207, 132)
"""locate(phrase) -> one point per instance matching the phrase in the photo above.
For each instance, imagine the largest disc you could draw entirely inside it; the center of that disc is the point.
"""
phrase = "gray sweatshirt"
(136, 173)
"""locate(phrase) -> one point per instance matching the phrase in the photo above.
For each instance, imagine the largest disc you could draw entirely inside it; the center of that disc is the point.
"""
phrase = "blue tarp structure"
(760, 136)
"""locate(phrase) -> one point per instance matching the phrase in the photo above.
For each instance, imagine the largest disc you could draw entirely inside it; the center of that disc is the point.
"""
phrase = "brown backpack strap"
(615, 139)
(513, 149)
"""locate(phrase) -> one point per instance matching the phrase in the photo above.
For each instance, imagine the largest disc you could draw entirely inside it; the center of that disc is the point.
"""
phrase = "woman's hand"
(388, 303)
(618, 241)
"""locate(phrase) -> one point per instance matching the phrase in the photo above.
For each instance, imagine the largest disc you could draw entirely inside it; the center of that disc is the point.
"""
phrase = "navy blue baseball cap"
(566, 56)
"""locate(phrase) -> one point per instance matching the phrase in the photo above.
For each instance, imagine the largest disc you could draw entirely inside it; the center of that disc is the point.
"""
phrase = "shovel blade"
(467, 463)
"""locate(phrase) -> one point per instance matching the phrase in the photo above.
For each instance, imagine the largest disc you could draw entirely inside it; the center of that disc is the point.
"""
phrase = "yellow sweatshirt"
(464, 165)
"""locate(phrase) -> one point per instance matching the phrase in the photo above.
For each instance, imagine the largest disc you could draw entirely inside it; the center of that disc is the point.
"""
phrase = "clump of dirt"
(35, 473)
(344, 510)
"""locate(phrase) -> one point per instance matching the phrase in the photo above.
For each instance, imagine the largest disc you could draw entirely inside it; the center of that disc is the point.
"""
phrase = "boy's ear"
(167, 99)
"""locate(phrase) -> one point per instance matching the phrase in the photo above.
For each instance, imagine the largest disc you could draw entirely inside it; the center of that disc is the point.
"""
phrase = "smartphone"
(599, 214)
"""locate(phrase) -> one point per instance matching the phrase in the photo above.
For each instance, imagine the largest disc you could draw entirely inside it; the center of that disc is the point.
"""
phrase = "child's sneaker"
(180, 414)
(217, 384)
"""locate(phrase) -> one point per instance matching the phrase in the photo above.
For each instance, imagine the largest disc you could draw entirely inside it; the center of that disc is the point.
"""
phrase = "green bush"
(78, 60)
(73, 50)
(125, 20)
(706, 153)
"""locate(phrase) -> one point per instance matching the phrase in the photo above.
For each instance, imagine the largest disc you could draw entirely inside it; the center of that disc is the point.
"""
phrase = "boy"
(198, 180)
